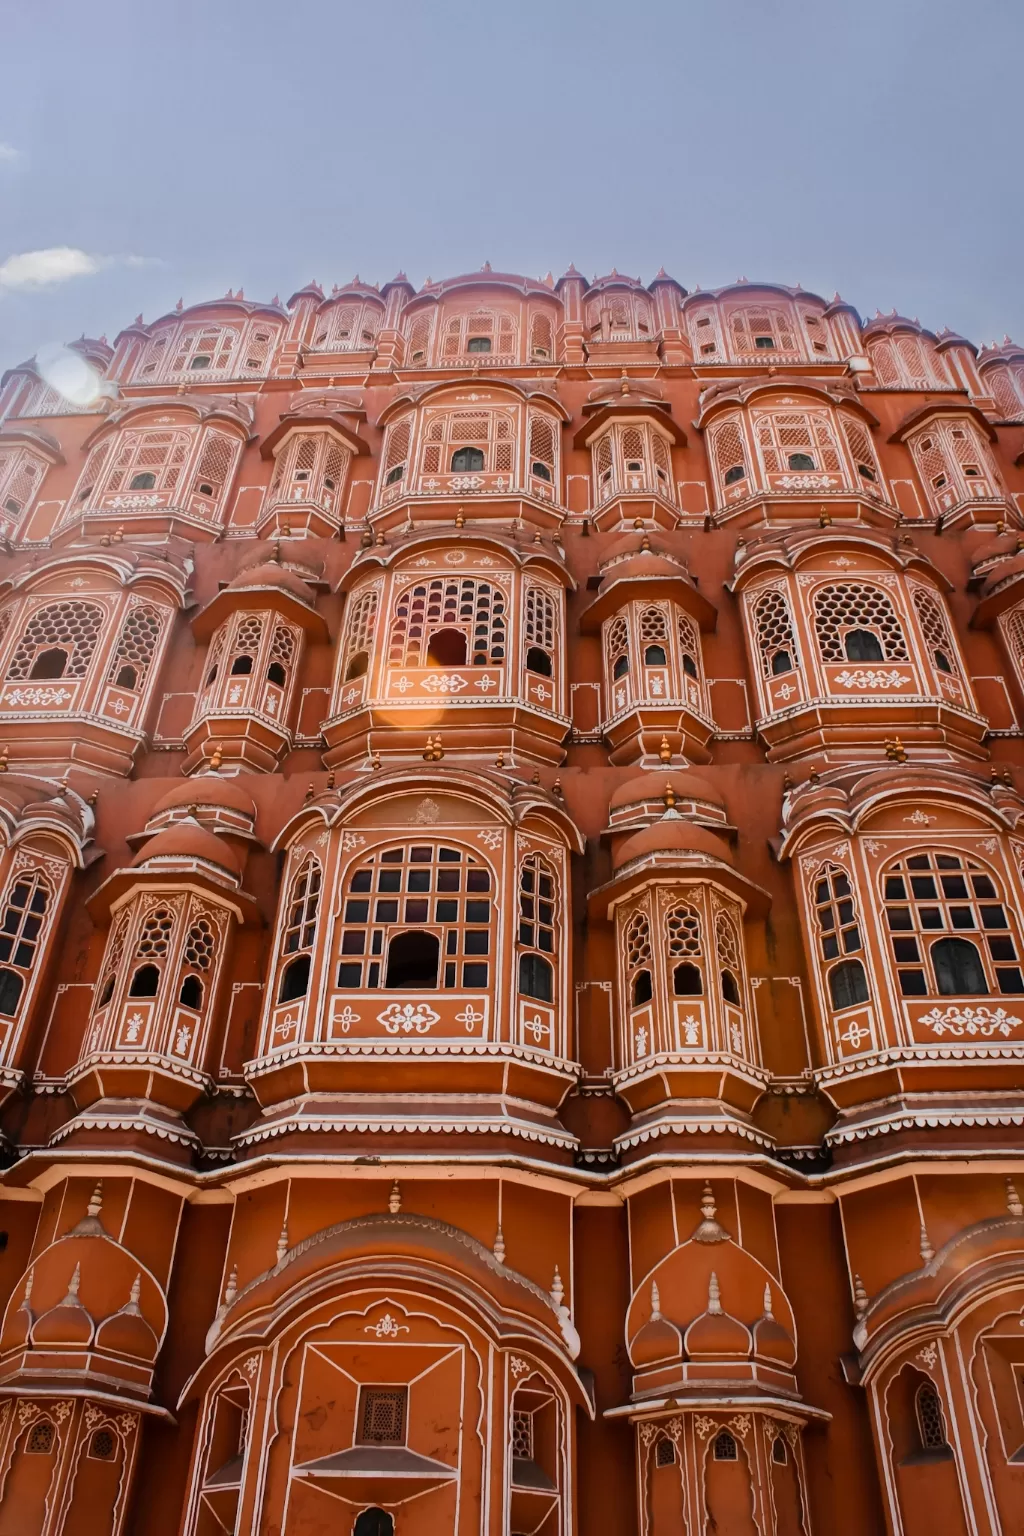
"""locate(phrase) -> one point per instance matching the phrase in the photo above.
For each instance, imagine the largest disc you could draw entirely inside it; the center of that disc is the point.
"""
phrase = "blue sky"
(152, 151)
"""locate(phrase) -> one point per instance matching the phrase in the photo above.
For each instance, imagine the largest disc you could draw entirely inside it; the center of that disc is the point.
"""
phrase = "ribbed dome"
(68, 1323)
(657, 1340)
(672, 834)
(209, 789)
(187, 841)
(716, 1334)
(127, 1333)
(643, 565)
(685, 785)
(270, 574)
(1003, 572)
(638, 545)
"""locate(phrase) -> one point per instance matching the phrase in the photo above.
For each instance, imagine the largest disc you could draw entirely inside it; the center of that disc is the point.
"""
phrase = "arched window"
(543, 447)
(950, 930)
(685, 951)
(68, 627)
(617, 643)
(654, 637)
(537, 928)
(541, 629)
(396, 451)
(728, 452)
(724, 1448)
(689, 648)
(780, 1455)
(858, 609)
(191, 993)
(245, 646)
(475, 609)
(760, 329)
(638, 959)
(862, 645)
(359, 632)
(303, 910)
(282, 654)
(799, 441)
(776, 641)
(241, 666)
(954, 463)
(373, 1522)
(541, 338)
(467, 461)
(861, 452)
(49, 665)
(145, 981)
(847, 984)
(730, 959)
(936, 631)
(136, 646)
(40, 1438)
(665, 1455)
(24, 914)
(931, 1430)
(200, 948)
(399, 895)
(21, 475)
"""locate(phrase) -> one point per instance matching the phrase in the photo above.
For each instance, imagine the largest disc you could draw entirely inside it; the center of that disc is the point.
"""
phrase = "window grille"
(632, 458)
(1014, 631)
(249, 633)
(705, 336)
(542, 445)
(618, 646)
(838, 927)
(92, 474)
(282, 645)
(24, 916)
(683, 924)
(727, 941)
(155, 937)
(855, 605)
(6, 617)
(603, 466)
(136, 645)
(204, 349)
(728, 454)
(361, 627)
(950, 930)
(216, 464)
(930, 1427)
(499, 329)
(620, 317)
(884, 362)
(540, 621)
(936, 631)
(67, 625)
(382, 1415)
(638, 941)
(21, 474)
(430, 887)
(689, 646)
(537, 926)
(775, 638)
(200, 945)
(396, 451)
(347, 328)
(725, 1447)
(522, 1434)
(1007, 387)
(756, 332)
(149, 459)
(785, 437)
(858, 441)
(102, 1446)
(418, 340)
(665, 1455)
(653, 626)
(452, 436)
(40, 1438)
(112, 959)
(953, 462)
(817, 332)
(541, 338)
(473, 607)
(303, 910)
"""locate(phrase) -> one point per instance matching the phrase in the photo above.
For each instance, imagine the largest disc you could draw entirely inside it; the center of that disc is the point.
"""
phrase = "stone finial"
(927, 1251)
(95, 1200)
(768, 1301)
(29, 1282)
(655, 1302)
(714, 1296)
(557, 1288)
(4, 758)
(395, 1199)
(282, 1240)
(216, 758)
(231, 1289)
(74, 1283)
(135, 1292)
(709, 1230)
(1013, 1202)
(860, 1297)
(375, 760)
(499, 1245)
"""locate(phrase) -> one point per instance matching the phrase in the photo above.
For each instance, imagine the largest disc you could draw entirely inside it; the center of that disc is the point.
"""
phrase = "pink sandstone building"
(512, 919)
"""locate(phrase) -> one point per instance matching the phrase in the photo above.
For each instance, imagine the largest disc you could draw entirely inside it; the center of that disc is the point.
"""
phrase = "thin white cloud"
(8, 154)
(58, 264)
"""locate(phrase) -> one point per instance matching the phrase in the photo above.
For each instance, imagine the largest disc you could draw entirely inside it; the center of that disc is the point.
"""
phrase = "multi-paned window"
(449, 621)
(776, 640)
(839, 937)
(58, 641)
(300, 931)
(949, 927)
(24, 914)
(536, 928)
(419, 916)
(855, 621)
(637, 958)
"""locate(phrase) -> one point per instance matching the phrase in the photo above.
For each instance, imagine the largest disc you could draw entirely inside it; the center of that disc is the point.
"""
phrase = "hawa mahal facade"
(512, 920)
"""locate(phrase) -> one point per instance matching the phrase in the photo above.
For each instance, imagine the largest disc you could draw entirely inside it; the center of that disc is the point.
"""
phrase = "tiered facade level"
(512, 920)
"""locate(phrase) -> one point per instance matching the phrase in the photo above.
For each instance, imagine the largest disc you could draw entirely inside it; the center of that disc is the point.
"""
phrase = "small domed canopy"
(14, 435)
(715, 1335)
(635, 569)
(208, 792)
(29, 804)
(68, 1324)
(268, 587)
(1002, 587)
(182, 850)
(657, 1340)
(674, 847)
(679, 840)
(885, 325)
(335, 409)
(184, 844)
(645, 798)
(126, 1332)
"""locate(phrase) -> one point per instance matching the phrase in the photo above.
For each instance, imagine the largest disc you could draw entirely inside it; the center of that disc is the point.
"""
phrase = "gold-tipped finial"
(669, 796)
(536, 776)
(665, 751)
(216, 757)
(4, 759)
(895, 751)
(556, 790)
(824, 518)
(499, 761)
(395, 1199)
(428, 750)
(375, 760)
(460, 520)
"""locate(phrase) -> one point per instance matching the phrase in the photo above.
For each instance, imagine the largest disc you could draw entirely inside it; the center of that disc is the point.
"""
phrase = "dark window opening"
(781, 662)
(642, 989)
(144, 481)
(764, 343)
(779, 1454)
(736, 472)
(211, 676)
(687, 980)
(49, 664)
(665, 1455)
(394, 475)
(241, 666)
(276, 674)
(654, 656)
(725, 1447)
(801, 461)
(866, 472)
(689, 666)
(373, 1522)
(294, 980)
(466, 459)
(621, 666)
(413, 960)
(357, 666)
(730, 989)
(478, 344)
(11, 987)
(958, 968)
(538, 661)
(191, 994)
(145, 982)
(204, 488)
(447, 648)
(201, 360)
(540, 470)
(127, 677)
(930, 1428)
(848, 984)
(535, 978)
(382, 1415)
(863, 645)
(108, 990)
(942, 663)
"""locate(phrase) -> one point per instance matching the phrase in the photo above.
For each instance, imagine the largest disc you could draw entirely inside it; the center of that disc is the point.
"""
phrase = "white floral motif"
(785, 692)
(703, 1426)
(387, 1328)
(806, 482)
(929, 1355)
(970, 1021)
(252, 1365)
(870, 677)
(444, 682)
(403, 685)
(407, 1018)
(181, 1040)
(350, 840)
(518, 1367)
(491, 838)
(641, 1041)
(873, 846)
(486, 683)
(346, 1018)
(919, 819)
(855, 1033)
(32, 696)
(537, 1028)
(455, 557)
(131, 1033)
(691, 1030)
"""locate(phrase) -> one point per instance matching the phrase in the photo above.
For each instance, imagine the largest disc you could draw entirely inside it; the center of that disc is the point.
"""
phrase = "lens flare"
(70, 374)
